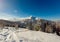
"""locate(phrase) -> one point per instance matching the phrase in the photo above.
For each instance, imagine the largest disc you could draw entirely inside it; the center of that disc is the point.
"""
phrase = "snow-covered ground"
(25, 35)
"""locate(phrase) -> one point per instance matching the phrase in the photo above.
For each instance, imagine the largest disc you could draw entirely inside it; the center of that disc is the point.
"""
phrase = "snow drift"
(25, 35)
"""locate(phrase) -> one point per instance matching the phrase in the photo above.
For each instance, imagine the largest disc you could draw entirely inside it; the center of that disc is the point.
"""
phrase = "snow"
(25, 35)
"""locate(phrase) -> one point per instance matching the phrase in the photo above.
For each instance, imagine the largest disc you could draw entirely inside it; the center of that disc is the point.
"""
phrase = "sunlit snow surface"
(24, 35)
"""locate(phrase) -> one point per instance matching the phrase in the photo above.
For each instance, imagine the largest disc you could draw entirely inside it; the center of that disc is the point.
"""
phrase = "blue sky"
(46, 9)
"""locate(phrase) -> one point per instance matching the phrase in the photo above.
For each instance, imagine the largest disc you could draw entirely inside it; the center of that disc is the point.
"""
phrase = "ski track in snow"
(24, 35)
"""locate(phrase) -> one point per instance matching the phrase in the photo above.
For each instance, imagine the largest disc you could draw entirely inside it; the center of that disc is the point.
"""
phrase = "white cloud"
(19, 18)
(6, 16)
(10, 17)
(15, 11)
